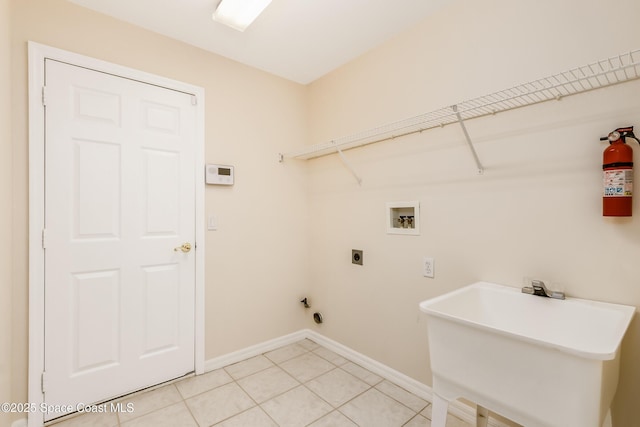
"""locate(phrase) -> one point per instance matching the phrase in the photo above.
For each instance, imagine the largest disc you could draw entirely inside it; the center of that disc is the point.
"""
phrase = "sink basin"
(539, 361)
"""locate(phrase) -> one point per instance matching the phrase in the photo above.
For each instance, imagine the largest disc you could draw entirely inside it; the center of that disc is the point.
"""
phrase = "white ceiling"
(300, 40)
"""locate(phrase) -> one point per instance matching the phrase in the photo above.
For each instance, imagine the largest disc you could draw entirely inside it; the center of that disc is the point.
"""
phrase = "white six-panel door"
(119, 199)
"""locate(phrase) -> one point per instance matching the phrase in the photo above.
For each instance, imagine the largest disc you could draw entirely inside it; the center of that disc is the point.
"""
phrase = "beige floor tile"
(176, 415)
(149, 401)
(308, 345)
(401, 395)
(419, 421)
(248, 367)
(189, 387)
(359, 372)
(285, 353)
(254, 417)
(219, 404)
(307, 366)
(106, 419)
(295, 408)
(375, 409)
(329, 355)
(227, 397)
(334, 419)
(337, 387)
(266, 384)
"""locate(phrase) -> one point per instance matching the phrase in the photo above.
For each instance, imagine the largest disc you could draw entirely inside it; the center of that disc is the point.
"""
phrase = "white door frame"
(37, 55)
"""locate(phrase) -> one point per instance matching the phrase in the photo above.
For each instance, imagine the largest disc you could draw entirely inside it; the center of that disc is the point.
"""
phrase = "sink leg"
(482, 416)
(439, 411)
(607, 420)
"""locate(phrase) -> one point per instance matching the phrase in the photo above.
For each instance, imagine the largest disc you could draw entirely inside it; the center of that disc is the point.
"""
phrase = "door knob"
(185, 247)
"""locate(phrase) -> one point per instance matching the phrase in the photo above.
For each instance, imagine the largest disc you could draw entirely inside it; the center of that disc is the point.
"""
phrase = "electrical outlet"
(427, 267)
(356, 256)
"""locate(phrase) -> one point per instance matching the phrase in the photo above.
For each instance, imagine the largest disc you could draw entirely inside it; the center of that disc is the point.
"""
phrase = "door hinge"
(44, 96)
(44, 238)
(43, 381)
(194, 100)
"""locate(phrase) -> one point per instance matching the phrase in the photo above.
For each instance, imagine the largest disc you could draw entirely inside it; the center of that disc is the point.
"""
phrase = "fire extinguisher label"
(618, 182)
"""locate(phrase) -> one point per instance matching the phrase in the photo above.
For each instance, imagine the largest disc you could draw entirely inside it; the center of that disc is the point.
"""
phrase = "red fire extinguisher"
(617, 167)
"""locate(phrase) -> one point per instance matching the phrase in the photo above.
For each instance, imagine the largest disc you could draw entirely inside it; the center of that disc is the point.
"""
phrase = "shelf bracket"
(468, 138)
(348, 166)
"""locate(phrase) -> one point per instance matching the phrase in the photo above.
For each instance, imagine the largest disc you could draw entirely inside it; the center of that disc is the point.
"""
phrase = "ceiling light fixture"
(239, 14)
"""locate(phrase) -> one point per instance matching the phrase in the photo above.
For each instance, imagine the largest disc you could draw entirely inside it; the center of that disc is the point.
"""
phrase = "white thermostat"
(219, 174)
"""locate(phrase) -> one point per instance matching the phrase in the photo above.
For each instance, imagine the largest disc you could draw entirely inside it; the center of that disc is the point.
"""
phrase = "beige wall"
(535, 212)
(5, 213)
(256, 263)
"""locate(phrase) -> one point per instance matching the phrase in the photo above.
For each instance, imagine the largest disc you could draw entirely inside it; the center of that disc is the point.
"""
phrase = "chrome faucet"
(538, 288)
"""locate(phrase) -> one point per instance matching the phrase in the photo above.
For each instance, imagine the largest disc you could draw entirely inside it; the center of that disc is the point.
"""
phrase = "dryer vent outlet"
(356, 256)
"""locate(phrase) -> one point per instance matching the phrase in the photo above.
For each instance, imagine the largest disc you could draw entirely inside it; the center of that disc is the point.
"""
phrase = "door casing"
(37, 55)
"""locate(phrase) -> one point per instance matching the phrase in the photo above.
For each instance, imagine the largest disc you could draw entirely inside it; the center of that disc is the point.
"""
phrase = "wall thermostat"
(219, 174)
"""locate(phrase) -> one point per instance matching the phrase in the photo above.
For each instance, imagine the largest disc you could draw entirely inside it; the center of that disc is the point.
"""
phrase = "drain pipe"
(317, 316)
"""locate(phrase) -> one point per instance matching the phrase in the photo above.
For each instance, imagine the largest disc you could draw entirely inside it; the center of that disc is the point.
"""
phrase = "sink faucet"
(538, 288)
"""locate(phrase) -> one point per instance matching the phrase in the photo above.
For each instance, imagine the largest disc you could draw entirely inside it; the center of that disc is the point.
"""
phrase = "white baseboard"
(254, 350)
(457, 408)
(416, 387)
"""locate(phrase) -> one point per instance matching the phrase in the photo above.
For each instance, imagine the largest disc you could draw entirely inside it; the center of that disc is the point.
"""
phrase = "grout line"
(370, 387)
(304, 384)
(248, 375)
(413, 418)
(275, 365)
(401, 388)
(312, 351)
(184, 401)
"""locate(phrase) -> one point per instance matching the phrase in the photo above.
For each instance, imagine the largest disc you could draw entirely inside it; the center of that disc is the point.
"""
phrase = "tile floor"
(302, 384)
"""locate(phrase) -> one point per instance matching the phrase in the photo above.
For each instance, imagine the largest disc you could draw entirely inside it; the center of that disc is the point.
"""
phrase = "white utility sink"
(538, 361)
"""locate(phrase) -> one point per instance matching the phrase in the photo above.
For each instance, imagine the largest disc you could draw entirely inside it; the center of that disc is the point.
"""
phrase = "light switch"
(212, 223)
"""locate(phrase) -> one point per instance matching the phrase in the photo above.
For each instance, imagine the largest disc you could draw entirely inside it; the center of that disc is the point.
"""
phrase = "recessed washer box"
(219, 174)
(403, 218)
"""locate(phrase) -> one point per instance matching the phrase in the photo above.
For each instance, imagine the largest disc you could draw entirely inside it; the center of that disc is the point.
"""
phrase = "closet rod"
(607, 72)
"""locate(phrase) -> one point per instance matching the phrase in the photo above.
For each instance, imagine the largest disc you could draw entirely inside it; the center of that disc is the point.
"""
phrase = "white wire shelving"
(607, 72)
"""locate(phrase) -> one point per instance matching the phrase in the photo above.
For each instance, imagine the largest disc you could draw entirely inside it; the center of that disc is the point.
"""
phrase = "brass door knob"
(185, 247)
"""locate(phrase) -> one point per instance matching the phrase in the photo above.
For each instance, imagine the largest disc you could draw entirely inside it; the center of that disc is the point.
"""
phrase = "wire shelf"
(607, 72)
